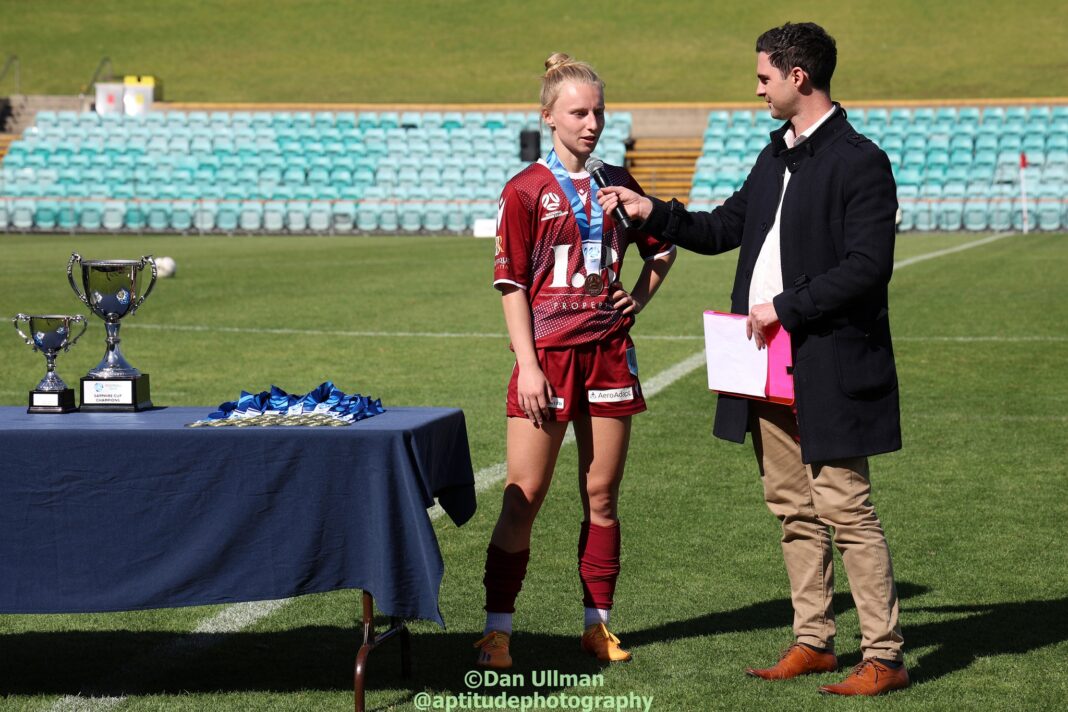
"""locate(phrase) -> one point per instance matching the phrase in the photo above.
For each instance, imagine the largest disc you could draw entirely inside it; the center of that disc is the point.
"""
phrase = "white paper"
(734, 363)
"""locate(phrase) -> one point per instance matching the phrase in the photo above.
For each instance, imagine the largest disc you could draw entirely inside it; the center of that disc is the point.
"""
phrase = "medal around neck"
(51, 334)
(594, 285)
(112, 290)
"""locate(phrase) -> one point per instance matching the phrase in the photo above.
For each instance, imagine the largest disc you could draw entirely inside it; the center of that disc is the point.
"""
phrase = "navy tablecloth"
(124, 511)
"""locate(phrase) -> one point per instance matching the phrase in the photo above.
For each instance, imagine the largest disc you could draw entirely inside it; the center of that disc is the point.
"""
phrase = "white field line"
(246, 614)
(950, 250)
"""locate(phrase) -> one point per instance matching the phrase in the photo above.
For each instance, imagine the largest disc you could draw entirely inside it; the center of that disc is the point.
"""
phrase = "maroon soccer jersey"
(539, 249)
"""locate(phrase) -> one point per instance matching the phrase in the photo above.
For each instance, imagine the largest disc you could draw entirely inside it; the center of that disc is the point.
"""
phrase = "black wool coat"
(837, 250)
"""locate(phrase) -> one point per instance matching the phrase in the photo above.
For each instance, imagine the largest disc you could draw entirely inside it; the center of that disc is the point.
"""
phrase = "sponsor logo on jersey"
(550, 203)
(500, 214)
(616, 395)
(498, 244)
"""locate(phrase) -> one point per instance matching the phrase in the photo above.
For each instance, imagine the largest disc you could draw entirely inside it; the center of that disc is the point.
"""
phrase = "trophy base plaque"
(52, 401)
(100, 395)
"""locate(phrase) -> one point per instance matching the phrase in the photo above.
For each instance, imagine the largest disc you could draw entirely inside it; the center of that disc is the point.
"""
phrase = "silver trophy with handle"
(50, 334)
(112, 290)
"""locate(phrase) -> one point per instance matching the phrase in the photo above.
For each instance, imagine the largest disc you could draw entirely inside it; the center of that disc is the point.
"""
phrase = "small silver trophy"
(111, 290)
(51, 334)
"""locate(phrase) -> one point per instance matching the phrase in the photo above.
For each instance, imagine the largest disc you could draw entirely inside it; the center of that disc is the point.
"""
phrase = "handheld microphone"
(595, 167)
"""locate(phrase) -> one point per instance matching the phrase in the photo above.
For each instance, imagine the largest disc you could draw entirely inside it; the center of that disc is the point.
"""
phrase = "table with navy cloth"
(124, 511)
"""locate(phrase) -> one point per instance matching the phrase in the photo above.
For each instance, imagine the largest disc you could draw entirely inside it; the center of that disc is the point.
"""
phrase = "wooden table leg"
(372, 641)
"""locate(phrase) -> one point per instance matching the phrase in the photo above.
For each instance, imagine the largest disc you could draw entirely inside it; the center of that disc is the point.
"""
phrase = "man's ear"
(798, 77)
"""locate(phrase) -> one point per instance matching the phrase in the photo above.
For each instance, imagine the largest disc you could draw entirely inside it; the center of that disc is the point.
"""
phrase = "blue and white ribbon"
(325, 405)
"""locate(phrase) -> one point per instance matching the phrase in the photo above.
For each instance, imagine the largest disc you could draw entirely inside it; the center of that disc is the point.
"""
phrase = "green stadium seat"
(303, 120)
(342, 216)
(367, 120)
(928, 115)
(181, 215)
(937, 157)
(45, 214)
(158, 215)
(67, 215)
(452, 120)
(410, 215)
(134, 216)
(274, 215)
(719, 117)
(226, 215)
(950, 215)
(924, 215)
(907, 197)
(915, 142)
(993, 115)
(112, 214)
(219, 120)
(741, 118)
(262, 121)
(22, 212)
(5, 211)
(1049, 214)
(455, 217)
(976, 215)
(366, 217)
(1000, 214)
(433, 219)
(901, 116)
(1017, 214)
(388, 220)
(90, 215)
(250, 215)
(320, 216)
(297, 215)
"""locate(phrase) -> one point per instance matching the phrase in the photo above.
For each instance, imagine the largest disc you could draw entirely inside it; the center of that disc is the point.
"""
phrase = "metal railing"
(13, 62)
(104, 62)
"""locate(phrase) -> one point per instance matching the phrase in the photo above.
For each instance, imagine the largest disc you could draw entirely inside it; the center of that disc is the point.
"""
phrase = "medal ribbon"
(591, 228)
(326, 400)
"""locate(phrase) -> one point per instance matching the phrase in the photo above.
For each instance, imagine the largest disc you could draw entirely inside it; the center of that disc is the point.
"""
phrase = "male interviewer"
(815, 224)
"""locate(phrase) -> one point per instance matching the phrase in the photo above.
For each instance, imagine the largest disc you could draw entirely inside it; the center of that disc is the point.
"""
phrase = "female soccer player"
(557, 265)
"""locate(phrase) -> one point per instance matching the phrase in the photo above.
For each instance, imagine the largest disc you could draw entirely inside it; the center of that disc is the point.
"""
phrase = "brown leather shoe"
(797, 660)
(870, 677)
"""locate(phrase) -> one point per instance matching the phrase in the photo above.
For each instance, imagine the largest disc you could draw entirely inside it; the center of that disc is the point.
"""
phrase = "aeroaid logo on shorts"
(616, 395)
(550, 203)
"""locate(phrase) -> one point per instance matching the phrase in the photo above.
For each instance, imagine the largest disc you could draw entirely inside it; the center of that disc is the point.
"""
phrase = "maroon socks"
(598, 553)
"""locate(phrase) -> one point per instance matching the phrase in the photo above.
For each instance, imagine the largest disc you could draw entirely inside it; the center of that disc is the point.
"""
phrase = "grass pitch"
(974, 506)
(477, 51)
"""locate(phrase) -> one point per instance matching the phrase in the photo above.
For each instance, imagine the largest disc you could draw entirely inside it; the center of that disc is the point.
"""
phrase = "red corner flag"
(1023, 160)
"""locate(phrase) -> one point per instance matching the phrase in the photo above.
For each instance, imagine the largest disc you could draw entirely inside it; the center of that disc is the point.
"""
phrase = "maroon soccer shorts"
(600, 379)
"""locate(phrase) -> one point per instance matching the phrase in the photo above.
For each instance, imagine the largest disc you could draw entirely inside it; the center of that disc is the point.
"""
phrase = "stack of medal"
(326, 405)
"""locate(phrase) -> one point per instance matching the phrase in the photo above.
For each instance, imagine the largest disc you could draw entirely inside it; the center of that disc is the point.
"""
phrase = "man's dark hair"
(805, 45)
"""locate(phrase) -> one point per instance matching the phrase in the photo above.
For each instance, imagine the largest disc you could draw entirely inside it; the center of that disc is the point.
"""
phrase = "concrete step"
(5, 143)
(664, 166)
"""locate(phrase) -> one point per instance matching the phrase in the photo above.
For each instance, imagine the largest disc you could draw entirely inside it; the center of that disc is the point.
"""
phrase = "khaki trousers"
(816, 504)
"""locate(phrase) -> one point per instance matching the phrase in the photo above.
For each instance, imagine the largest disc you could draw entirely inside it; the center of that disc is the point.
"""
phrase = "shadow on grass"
(115, 663)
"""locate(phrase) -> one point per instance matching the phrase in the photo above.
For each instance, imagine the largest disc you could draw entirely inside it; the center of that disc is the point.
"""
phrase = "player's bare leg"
(532, 453)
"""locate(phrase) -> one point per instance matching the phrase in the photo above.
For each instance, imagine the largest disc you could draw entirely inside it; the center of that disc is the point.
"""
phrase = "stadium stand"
(956, 168)
(274, 171)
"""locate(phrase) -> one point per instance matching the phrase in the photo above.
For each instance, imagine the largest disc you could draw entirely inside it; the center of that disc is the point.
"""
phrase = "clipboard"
(737, 368)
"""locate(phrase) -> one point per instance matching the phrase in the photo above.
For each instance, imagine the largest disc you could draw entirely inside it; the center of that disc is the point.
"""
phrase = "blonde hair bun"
(557, 60)
(560, 68)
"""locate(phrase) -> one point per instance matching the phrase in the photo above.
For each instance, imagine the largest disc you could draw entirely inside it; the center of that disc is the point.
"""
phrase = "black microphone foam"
(595, 167)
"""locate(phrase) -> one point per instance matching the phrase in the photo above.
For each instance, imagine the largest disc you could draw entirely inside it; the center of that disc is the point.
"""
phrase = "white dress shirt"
(767, 274)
